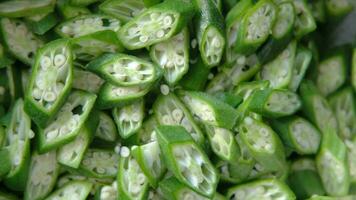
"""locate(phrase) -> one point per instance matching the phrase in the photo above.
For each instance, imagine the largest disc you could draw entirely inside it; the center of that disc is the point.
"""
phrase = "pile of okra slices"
(176, 100)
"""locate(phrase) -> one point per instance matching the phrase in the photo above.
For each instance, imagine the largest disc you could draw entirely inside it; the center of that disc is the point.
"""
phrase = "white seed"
(66, 30)
(143, 38)
(210, 76)
(188, 196)
(241, 60)
(49, 96)
(160, 33)
(52, 134)
(134, 65)
(45, 62)
(164, 89)
(100, 170)
(104, 195)
(59, 60)
(179, 60)
(17, 160)
(193, 43)
(216, 42)
(177, 114)
(136, 117)
(141, 178)
(248, 120)
(117, 149)
(167, 20)
(169, 64)
(166, 119)
(186, 124)
(31, 134)
(124, 152)
(154, 16)
(37, 93)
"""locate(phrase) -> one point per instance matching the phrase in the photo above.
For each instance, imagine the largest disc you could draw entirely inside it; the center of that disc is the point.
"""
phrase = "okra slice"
(279, 71)
(274, 103)
(304, 179)
(129, 118)
(353, 69)
(87, 24)
(42, 23)
(332, 165)
(255, 27)
(148, 156)
(86, 80)
(343, 105)
(232, 99)
(263, 144)
(69, 11)
(318, 197)
(196, 77)
(304, 22)
(22, 8)
(156, 24)
(223, 143)
(169, 110)
(261, 189)
(298, 134)
(78, 190)
(336, 9)
(5, 59)
(124, 10)
(186, 160)
(82, 2)
(173, 189)
(43, 173)
(317, 8)
(50, 81)
(19, 40)
(316, 108)
(106, 129)
(67, 122)
(132, 182)
(5, 166)
(302, 61)
(351, 161)
(332, 72)
(172, 56)
(107, 192)
(210, 32)
(146, 133)
(245, 89)
(124, 70)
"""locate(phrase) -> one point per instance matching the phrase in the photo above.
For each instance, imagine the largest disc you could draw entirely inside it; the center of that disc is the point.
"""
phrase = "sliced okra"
(316, 108)
(124, 70)
(17, 142)
(50, 82)
(302, 60)
(129, 118)
(169, 110)
(332, 72)
(274, 103)
(86, 80)
(146, 132)
(78, 190)
(304, 21)
(67, 122)
(5, 166)
(317, 8)
(337, 9)
(261, 189)
(263, 144)
(82, 3)
(223, 143)
(172, 56)
(107, 192)
(5, 59)
(7, 196)
(124, 10)
(255, 27)
(351, 161)
(13, 74)
(196, 77)
(148, 156)
(232, 99)
(353, 69)
(87, 24)
(208, 109)
(22, 8)
(186, 160)
(173, 189)
(69, 11)
(42, 23)
(132, 182)
(43, 173)
(210, 28)
(280, 70)
(19, 40)
(106, 129)
(245, 89)
(156, 24)
(298, 134)
(318, 197)
(304, 179)
(331, 162)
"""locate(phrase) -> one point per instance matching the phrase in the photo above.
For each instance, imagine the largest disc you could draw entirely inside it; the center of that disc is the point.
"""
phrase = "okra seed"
(49, 96)
(37, 93)
(248, 121)
(100, 170)
(104, 195)
(167, 20)
(52, 134)
(188, 196)
(59, 60)
(125, 152)
(117, 149)
(216, 42)
(141, 178)
(164, 89)
(143, 38)
(134, 65)
(177, 114)
(193, 43)
(179, 60)
(31, 134)
(45, 62)
(66, 30)
(136, 117)
(160, 33)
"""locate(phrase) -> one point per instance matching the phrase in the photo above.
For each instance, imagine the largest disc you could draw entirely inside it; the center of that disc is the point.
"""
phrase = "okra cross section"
(124, 10)
(86, 80)
(78, 190)
(50, 81)
(186, 160)
(124, 70)
(304, 22)
(303, 57)
(21, 8)
(67, 122)
(106, 129)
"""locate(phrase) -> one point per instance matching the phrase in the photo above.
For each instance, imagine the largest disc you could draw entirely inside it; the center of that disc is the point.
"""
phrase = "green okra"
(72, 190)
(208, 109)
(170, 110)
(172, 56)
(186, 160)
(353, 69)
(50, 81)
(304, 22)
(337, 9)
(298, 134)
(106, 129)
(149, 158)
(196, 77)
(318, 197)
(279, 71)
(13, 74)
(146, 132)
(304, 179)
(351, 161)
(82, 2)
(43, 173)
(124, 10)
(5, 59)
(69, 11)
(302, 60)
(317, 8)
(86, 80)
(261, 189)
(5, 166)
(343, 104)
(42, 23)
(87, 24)
(132, 182)
(156, 24)
(22, 8)
(274, 103)
(129, 118)
(19, 40)
(7, 196)
(210, 32)
(107, 192)
(124, 70)
(228, 97)
(67, 122)
(256, 26)
(245, 89)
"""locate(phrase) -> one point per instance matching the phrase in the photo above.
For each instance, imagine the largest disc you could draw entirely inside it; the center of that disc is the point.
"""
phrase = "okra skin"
(80, 81)
(245, 89)
(196, 77)
(68, 11)
(106, 129)
(5, 166)
(46, 76)
(336, 10)
(20, 8)
(267, 101)
(82, 190)
(42, 24)
(353, 69)
(303, 58)
(175, 139)
(124, 10)
(304, 23)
